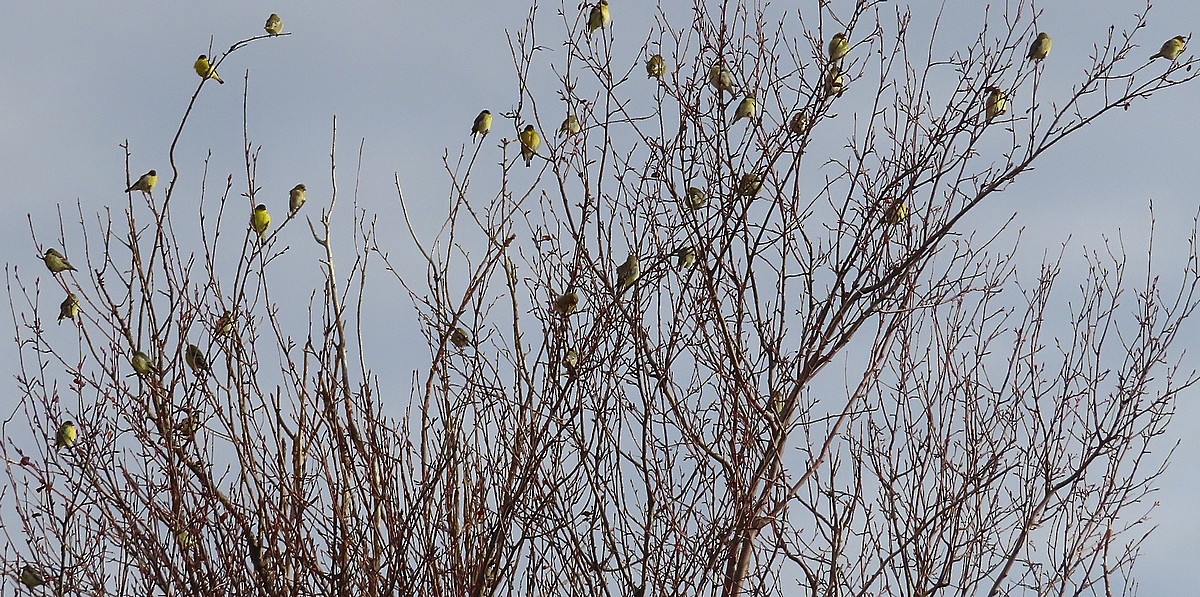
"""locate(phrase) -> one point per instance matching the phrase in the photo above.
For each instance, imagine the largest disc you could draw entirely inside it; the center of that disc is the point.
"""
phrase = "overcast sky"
(409, 77)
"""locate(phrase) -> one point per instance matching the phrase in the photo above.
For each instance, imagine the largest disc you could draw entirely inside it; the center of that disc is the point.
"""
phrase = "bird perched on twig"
(1172, 48)
(1040, 48)
(274, 25)
(483, 124)
(206, 70)
(56, 263)
(530, 141)
(145, 183)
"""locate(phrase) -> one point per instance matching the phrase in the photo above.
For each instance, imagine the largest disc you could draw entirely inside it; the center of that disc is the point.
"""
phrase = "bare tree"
(632, 384)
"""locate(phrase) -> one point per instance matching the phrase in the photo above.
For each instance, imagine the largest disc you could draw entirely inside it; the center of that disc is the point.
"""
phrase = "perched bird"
(598, 17)
(483, 124)
(1040, 47)
(835, 83)
(224, 324)
(530, 141)
(570, 126)
(749, 185)
(571, 360)
(142, 364)
(67, 433)
(566, 303)
(56, 263)
(720, 77)
(696, 198)
(628, 273)
(32, 577)
(894, 211)
(194, 357)
(145, 183)
(274, 25)
(296, 197)
(996, 104)
(799, 123)
(69, 307)
(460, 337)
(746, 109)
(206, 70)
(839, 46)
(656, 67)
(1172, 48)
(260, 220)
(685, 257)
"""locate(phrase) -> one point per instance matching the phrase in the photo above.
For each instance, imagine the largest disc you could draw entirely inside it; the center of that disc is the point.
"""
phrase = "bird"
(571, 360)
(69, 307)
(598, 17)
(746, 109)
(749, 185)
(570, 126)
(628, 273)
(685, 257)
(483, 124)
(839, 46)
(142, 364)
(720, 78)
(260, 220)
(895, 211)
(296, 197)
(1172, 48)
(460, 337)
(530, 141)
(1040, 47)
(835, 83)
(799, 123)
(56, 263)
(566, 303)
(656, 67)
(32, 577)
(194, 357)
(224, 324)
(145, 183)
(696, 198)
(67, 433)
(206, 70)
(274, 25)
(996, 104)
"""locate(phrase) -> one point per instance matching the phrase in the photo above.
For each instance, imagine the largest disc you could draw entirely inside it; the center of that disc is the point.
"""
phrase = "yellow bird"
(894, 211)
(274, 25)
(835, 82)
(224, 324)
(67, 433)
(460, 337)
(142, 364)
(194, 357)
(32, 577)
(628, 273)
(746, 109)
(69, 307)
(145, 183)
(206, 70)
(1172, 48)
(483, 124)
(56, 263)
(1040, 47)
(839, 46)
(656, 67)
(570, 126)
(996, 104)
(571, 360)
(696, 198)
(749, 185)
(530, 141)
(566, 303)
(296, 197)
(720, 77)
(598, 17)
(799, 123)
(260, 220)
(685, 257)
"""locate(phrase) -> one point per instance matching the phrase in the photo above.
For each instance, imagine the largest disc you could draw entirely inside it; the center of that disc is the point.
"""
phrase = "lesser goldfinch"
(65, 438)
(69, 307)
(599, 16)
(746, 109)
(530, 141)
(839, 46)
(274, 25)
(566, 303)
(696, 198)
(996, 104)
(460, 337)
(260, 220)
(483, 124)
(56, 263)
(1172, 48)
(628, 273)
(656, 67)
(224, 324)
(685, 257)
(296, 197)
(835, 83)
(895, 211)
(749, 185)
(32, 577)
(194, 357)
(1040, 48)
(720, 77)
(571, 360)
(142, 364)
(206, 70)
(799, 123)
(145, 183)
(570, 126)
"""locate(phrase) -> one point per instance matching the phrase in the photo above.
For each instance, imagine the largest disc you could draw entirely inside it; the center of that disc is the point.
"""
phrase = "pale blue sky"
(409, 78)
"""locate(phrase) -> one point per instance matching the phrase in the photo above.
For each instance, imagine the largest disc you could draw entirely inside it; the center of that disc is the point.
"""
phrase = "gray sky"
(410, 76)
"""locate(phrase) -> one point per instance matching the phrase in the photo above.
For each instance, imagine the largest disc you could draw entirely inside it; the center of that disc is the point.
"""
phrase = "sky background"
(407, 79)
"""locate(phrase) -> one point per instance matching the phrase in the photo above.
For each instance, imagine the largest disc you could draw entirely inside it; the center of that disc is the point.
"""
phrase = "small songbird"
(570, 126)
(460, 337)
(839, 46)
(296, 197)
(1172, 48)
(628, 273)
(56, 263)
(483, 124)
(571, 360)
(894, 211)
(799, 123)
(720, 77)
(598, 17)
(32, 577)
(530, 141)
(996, 104)
(260, 220)
(746, 109)
(224, 324)
(206, 70)
(835, 83)
(194, 357)
(1040, 47)
(67, 433)
(566, 303)
(685, 257)
(69, 307)
(274, 25)
(749, 185)
(145, 183)
(142, 364)
(696, 198)
(656, 67)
